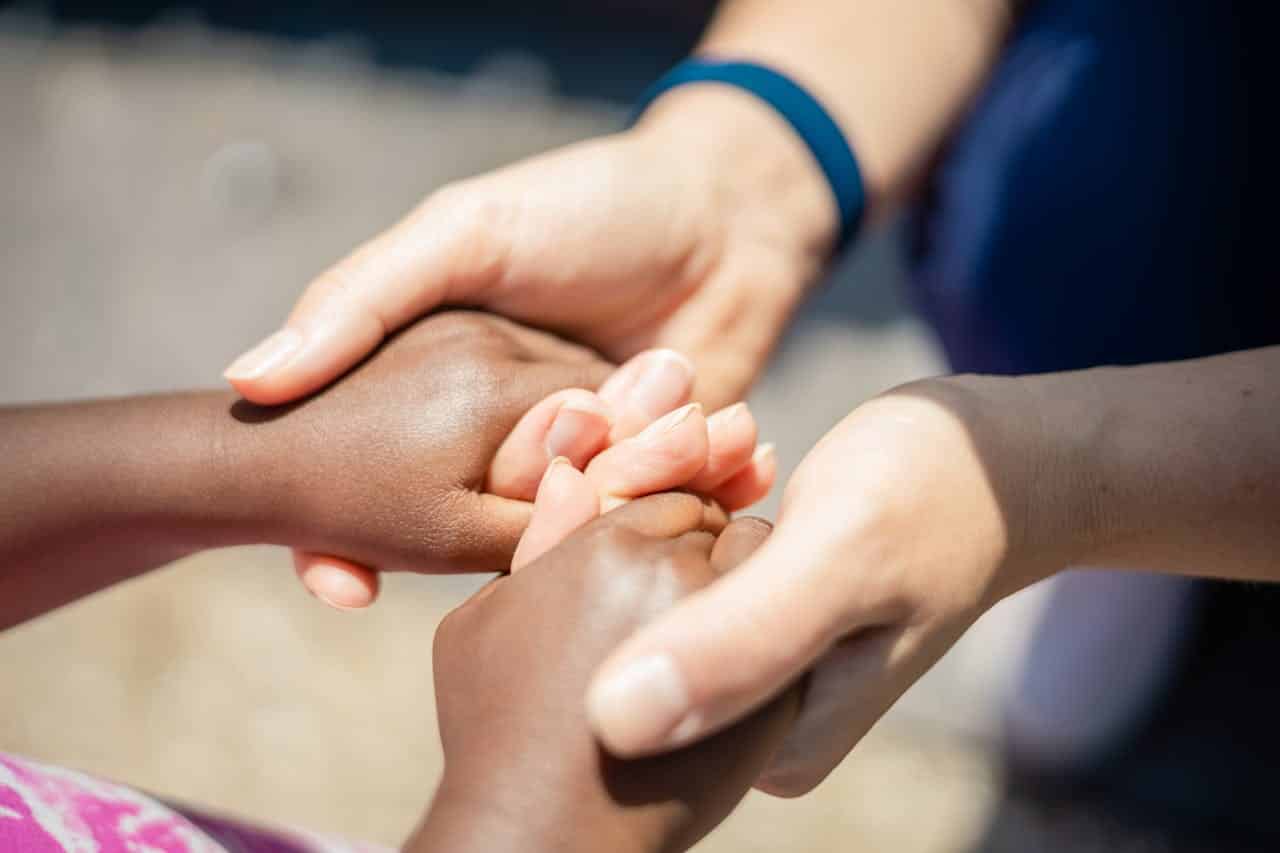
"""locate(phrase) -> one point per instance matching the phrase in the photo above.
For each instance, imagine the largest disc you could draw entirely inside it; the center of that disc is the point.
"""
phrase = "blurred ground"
(163, 197)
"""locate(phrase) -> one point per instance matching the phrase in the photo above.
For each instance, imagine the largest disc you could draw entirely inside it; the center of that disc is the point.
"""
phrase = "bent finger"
(750, 485)
(664, 456)
(731, 441)
(573, 423)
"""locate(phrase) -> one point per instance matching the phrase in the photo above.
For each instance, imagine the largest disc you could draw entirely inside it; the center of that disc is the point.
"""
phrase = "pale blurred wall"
(163, 197)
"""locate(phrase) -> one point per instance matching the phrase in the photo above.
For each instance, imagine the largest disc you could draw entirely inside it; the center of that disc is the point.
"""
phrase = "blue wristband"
(801, 110)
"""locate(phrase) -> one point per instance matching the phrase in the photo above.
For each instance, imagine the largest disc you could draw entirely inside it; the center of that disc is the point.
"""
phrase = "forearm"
(1172, 467)
(895, 76)
(97, 492)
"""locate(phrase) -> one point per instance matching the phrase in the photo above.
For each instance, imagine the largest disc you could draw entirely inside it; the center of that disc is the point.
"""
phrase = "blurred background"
(170, 178)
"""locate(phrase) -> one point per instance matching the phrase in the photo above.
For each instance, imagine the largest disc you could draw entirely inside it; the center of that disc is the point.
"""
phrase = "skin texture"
(708, 253)
(700, 229)
(629, 439)
(386, 468)
(927, 505)
(921, 507)
(522, 769)
(581, 241)
(621, 244)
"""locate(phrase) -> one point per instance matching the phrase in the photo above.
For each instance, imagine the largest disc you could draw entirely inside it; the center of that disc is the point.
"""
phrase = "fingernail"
(764, 452)
(576, 434)
(553, 472)
(725, 417)
(337, 588)
(663, 384)
(266, 356)
(642, 706)
(670, 421)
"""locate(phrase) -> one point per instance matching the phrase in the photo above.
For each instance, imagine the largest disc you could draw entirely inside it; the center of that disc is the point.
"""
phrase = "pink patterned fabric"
(46, 809)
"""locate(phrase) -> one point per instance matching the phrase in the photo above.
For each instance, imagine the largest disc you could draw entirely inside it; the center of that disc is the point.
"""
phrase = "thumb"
(437, 254)
(721, 653)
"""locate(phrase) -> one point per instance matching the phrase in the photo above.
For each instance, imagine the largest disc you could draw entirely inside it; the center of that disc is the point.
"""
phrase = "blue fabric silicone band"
(801, 110)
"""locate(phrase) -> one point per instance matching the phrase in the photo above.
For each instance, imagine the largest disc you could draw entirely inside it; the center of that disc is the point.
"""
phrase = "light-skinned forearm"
(1170, 467)
(896, 76)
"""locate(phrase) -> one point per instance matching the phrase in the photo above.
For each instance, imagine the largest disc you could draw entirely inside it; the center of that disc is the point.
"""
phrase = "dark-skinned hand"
(388, 467)
(512, 665)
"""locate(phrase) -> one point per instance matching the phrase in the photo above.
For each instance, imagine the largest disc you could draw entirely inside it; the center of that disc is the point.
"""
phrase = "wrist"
(465, 817)
(759, 177)
(197, 478)
(1039, 434)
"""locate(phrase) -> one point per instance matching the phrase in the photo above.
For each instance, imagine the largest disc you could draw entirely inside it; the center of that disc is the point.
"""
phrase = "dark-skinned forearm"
(1187, 466)
(1167, 467)
(96, 492)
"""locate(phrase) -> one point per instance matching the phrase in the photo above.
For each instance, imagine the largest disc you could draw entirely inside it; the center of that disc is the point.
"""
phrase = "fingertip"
(565, 501)
(731, 439)
(647, 387)
(341, 584)
(782, 788)
(303, 357)
(738, 542)
(753, 483)
(640, 706)
(580, 430)
(269, 355)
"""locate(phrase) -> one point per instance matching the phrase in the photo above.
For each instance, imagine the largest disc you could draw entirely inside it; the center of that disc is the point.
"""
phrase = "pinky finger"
(339, 583)
(752, 483)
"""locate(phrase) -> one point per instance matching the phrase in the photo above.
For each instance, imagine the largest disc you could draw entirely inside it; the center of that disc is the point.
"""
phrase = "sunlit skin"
(624, 452)
(701, 229)
(522, 770)
(390, 468)
(405, 448)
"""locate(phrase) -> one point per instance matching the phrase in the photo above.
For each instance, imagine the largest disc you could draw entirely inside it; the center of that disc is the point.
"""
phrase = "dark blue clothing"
(1108, 201)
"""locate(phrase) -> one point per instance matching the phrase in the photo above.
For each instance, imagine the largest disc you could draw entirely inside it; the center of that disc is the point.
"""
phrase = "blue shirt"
(1110, 200)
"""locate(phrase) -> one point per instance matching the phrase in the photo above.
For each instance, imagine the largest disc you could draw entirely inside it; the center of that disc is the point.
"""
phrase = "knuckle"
(612, 548)
(608, 537)
(460, 326)
(621, 564)
(688, 566)
(672, 578)
(338, 281)
(472, 379)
